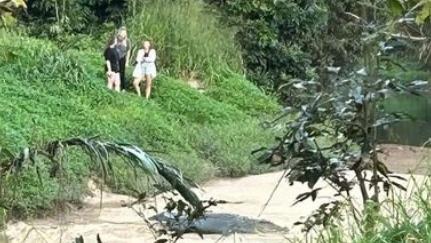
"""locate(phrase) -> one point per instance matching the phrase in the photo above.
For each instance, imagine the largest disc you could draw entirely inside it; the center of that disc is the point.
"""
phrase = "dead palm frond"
(100, 153)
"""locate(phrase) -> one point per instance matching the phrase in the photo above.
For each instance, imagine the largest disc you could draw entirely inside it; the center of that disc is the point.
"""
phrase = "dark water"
(414, 132)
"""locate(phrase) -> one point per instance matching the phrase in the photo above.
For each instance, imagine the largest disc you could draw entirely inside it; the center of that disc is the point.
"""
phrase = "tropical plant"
(274, 36)
(284, 40)
(100, 153)
(413, 25)
(334, 134)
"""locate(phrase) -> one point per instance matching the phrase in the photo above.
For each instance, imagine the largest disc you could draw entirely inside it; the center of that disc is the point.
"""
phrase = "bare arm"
(108, 64)
(139, 56)
(128, 57)
(151, 56)
(129, 52)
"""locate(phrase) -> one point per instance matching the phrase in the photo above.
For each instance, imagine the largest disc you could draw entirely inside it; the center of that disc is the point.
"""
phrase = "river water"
(412, 132)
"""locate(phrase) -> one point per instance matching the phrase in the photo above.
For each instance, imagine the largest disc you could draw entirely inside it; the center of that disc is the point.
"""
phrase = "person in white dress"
(145, 68)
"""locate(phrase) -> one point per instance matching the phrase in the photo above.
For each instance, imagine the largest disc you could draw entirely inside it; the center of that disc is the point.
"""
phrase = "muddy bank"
(407, 159)
(116, 223)
(119, 224)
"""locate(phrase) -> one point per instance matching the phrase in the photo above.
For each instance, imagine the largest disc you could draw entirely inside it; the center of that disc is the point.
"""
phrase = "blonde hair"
(146, 41)
(121, 30)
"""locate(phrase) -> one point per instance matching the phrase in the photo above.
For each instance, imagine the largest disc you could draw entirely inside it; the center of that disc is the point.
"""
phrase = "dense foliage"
(280, 40)
(334, 133)
(53, 18)
(189, 40)
(203, 134)
(274, 36)
(284, 40)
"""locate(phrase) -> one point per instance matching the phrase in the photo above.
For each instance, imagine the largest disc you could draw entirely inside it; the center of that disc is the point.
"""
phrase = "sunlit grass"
(187, 36)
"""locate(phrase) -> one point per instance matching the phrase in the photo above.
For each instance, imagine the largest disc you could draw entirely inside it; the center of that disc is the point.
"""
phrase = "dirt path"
(119, 224)
(407, 159)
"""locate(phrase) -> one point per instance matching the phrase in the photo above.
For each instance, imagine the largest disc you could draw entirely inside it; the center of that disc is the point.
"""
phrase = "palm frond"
(99, 152)
(142, 160)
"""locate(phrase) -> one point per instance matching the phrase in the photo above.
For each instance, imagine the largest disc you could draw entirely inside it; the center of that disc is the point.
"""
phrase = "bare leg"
(136, 83)
(110, 81)
(117, 82)
(148, 85)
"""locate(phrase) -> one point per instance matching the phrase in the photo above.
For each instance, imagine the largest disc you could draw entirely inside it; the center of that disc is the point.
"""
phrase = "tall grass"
(187, 36)
(408, 219)
(403, 217)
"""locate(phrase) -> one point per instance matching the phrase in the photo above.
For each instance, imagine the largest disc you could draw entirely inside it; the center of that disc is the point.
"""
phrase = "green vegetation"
(48, 93)
(347, 113)
(411, 71)
(190, 41)
(405, 219)
(283, 40)
(100, 154)
(52, 87)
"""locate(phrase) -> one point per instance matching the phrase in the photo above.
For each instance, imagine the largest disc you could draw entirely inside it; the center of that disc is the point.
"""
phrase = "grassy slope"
(47, 93)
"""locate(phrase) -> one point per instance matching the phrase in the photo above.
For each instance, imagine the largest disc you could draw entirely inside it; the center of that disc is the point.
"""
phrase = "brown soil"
(407, 159)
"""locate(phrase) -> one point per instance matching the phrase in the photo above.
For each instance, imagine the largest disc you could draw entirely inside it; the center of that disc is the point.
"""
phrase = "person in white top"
(145, 68)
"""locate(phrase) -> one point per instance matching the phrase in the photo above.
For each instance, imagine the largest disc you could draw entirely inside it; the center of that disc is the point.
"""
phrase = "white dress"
(146, 65)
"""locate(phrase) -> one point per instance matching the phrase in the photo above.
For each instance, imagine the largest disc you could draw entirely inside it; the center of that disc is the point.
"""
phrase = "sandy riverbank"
(116, 223)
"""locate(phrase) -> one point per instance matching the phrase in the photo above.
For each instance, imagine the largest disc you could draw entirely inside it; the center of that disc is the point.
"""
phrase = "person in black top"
(112, 67)
(124, 49)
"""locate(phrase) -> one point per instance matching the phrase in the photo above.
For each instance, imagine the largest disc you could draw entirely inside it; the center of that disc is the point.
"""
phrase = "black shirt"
(113, 57)
(123, 49)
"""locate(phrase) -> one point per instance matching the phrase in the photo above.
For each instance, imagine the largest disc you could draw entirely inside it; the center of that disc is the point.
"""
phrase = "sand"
(119, 224)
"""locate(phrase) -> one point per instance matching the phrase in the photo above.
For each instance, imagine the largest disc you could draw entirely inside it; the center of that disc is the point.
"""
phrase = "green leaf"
(398, 177)
(399, 186)
(301, 197)
(424, 13)
(396, 7)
